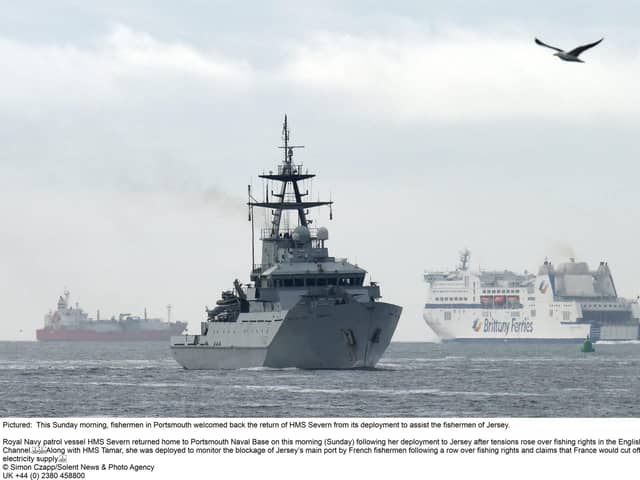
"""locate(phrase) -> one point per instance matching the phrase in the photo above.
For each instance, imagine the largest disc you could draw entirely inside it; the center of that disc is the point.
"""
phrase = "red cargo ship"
(69, 323)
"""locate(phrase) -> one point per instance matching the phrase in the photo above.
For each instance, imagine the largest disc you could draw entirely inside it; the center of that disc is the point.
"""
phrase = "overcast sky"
(130, 130)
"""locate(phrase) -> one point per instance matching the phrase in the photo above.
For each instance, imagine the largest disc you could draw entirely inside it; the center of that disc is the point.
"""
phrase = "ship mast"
(288, 173)
(465, 258)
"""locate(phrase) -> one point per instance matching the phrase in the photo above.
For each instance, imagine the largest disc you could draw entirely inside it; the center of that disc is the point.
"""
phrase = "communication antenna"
(330, 207)
(253, 237)
(169, 307)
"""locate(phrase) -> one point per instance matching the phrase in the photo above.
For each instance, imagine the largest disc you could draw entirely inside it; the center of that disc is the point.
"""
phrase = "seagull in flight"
(572, 55)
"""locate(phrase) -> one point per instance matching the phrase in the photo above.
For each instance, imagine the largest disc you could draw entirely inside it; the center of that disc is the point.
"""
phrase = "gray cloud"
(130, 134)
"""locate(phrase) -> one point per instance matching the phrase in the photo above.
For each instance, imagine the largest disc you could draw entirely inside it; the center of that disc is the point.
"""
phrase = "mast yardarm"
(288, 173)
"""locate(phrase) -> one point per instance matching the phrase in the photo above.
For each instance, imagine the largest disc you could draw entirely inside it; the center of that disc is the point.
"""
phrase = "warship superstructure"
(71, 323)
(304, 308)
(564, 303)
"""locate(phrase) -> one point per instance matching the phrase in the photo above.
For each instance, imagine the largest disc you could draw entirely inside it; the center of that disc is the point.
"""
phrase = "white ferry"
(566, 303)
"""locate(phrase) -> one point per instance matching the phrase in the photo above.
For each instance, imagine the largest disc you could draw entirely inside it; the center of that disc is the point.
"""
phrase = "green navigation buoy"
(587, 346)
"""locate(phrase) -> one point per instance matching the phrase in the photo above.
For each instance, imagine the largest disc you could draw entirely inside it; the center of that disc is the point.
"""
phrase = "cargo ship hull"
(71, 335)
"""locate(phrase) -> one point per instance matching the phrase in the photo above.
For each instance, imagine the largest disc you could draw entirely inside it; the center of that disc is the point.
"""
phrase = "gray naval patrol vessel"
(304, 308)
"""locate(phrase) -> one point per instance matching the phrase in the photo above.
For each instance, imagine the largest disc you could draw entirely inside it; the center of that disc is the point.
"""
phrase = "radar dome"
(323, 233)
(301, 234)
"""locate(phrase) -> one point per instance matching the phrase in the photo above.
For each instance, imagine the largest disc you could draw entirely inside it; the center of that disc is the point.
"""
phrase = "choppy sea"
(412, 380)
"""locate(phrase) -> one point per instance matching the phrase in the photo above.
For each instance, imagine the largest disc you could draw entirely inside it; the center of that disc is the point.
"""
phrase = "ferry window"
(311, 282)
(298, 282)
(533, 313)
(322, 282)
(566, 316)
(342, 281)
(288, 282)
(447, 315)
(333, 281)
(551, 313)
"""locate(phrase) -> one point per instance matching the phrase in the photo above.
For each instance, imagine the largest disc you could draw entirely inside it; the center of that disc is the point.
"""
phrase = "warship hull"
(351, 335)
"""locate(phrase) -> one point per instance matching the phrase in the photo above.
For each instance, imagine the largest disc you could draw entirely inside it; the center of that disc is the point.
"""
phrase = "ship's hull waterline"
(352, 335)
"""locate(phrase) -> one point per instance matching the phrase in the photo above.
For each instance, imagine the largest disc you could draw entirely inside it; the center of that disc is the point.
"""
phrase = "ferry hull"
(499, 329)
(346, 336)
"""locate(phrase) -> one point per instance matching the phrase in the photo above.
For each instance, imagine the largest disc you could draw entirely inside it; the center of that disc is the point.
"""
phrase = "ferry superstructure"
(564, 303)
(304, 308)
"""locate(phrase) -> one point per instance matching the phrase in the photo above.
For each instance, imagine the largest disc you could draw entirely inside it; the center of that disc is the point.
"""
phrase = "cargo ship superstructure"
(564, 303)
(71, 323)
(304, 308)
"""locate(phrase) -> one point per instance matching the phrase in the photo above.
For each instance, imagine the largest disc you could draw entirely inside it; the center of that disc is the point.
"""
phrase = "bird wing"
(548, 46)
(578, 50)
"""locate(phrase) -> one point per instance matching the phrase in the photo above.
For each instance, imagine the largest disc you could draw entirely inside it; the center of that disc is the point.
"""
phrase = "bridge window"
(298, 282)
(322, 282)
(332, 281)
(288, 282)
(311, 282)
